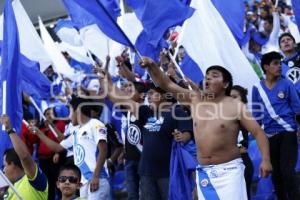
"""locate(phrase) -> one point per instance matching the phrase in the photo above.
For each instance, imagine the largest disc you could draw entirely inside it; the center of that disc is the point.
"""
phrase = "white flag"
(60, 63)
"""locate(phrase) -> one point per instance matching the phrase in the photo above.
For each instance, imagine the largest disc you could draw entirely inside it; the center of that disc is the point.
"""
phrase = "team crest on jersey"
(293, 74)
(281, 94)
(134, 134)
(79, 155)
(204, 182)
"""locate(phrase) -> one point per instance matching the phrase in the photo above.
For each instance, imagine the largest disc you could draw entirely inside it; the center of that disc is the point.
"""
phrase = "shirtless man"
(217, 118)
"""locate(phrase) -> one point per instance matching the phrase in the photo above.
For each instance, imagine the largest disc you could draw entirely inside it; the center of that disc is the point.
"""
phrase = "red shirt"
(28, 138)
(44, 152)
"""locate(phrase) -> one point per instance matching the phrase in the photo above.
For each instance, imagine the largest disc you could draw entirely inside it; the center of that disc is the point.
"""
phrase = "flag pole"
(10, 185)
(3, 101)
(42, 114)
(25, 122)
(120, 29)
(179, 69)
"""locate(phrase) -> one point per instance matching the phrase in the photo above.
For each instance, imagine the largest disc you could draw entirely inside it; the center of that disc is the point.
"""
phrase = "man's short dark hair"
(268, 58)
(286, 35)
(85, 109)
(12, 157)
(227, 77)
(71, 167)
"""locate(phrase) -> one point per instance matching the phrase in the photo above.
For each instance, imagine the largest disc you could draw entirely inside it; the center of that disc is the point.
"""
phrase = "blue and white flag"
(191, 70)
(66, 31)
(39, 86)
(84, 13)
(208, 41)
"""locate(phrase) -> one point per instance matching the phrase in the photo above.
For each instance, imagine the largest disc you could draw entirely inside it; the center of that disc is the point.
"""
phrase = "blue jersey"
(284, 101)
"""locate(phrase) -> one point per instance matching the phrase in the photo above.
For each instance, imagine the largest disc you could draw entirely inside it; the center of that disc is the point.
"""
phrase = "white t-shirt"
(85, 144)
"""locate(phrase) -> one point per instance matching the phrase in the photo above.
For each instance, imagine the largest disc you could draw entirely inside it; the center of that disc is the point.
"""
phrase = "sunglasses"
(63, 179)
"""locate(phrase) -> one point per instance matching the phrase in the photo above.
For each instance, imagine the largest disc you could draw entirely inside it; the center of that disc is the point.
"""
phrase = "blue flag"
(233, 13)
(191, 69)
(85, 13)
(296, 9)
(10, 73)
(113, 7)
(10, 68)
(39, 86)
(157, 16)
(187, 2)
(181, 173)
(148, 50)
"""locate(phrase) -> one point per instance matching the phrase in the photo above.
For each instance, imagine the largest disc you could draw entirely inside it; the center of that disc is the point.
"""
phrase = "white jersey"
(85, 144)
(222, 182)
(69, 131)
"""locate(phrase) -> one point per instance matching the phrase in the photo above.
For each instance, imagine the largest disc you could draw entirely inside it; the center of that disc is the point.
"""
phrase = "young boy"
(68, 181)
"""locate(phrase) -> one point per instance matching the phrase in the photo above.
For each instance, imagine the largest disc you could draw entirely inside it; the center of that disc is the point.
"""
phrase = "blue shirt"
(157, 139)
(285, 102)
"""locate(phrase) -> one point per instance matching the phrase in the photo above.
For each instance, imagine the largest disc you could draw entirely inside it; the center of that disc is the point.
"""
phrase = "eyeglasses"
(63, 179)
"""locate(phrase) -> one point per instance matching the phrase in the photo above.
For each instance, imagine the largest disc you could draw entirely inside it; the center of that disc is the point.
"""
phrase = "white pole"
(3, 101)
(108, 49)
(10, 185)
(25, 122)
(178, 68)
(43, 116)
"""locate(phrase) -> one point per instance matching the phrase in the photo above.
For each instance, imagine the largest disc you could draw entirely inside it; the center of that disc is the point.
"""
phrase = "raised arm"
(26, 160)
(163, 81)
(248, 122)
